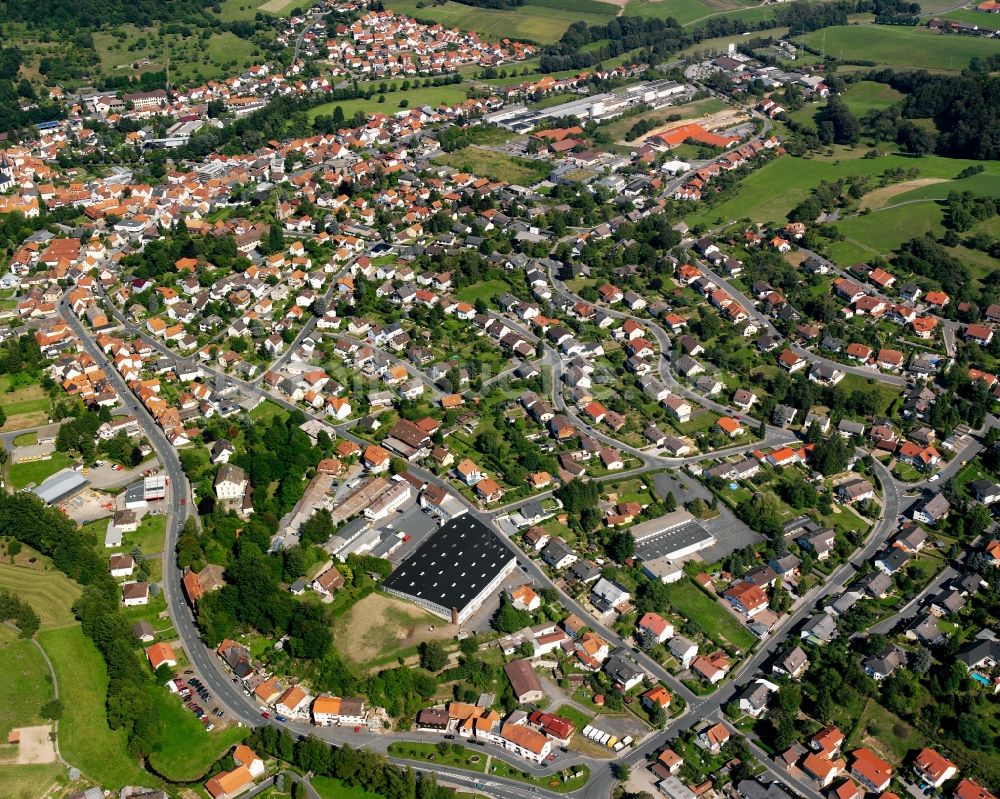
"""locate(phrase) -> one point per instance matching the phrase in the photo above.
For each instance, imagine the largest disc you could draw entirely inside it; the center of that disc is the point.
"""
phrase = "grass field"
(866, 95)
(717, 622)
(458, 755)
(895, 46)
(22, 665)
(432, 96)
(184, 750)
(50, 593)
(85, 739)
(29, 782)
(541, 21)
(493, 165)
(881, 232)
(379, 625)
(486, 290)
(772, 191)
(190, 58)
(23, 474)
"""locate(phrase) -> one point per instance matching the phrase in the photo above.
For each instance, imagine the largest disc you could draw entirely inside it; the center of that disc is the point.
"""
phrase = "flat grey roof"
(454, 564)
(674, 540)
(61, 485)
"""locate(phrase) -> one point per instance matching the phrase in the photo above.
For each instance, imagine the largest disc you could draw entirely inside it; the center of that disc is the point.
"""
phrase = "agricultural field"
(25, 405)
(541, 21)
(866, 95)
(494, 165)
(190, 58)
(85, 739)
(49, 592)
(894, 46)
(688, 12)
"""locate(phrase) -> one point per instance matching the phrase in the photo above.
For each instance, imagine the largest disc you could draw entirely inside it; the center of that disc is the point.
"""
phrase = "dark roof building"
(454, 570)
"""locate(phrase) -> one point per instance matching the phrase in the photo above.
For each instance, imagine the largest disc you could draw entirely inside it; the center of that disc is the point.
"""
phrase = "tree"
(621, 546)
(509, 619)
(432, 655)
(670, 502)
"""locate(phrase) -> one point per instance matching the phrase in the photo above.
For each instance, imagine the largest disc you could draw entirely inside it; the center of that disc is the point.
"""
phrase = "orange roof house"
(161, 655)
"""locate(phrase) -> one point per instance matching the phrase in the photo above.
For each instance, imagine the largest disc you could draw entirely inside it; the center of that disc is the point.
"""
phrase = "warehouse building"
(454, 570)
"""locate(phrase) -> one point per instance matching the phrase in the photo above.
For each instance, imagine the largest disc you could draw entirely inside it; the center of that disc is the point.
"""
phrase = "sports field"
(896, 46)
(540, 21)
(50, 593)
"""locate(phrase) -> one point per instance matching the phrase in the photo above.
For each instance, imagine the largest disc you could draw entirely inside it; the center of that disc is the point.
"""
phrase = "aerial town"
(500, 399)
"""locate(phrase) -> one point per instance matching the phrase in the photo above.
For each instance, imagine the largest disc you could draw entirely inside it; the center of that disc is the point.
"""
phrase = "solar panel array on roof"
(453, 566)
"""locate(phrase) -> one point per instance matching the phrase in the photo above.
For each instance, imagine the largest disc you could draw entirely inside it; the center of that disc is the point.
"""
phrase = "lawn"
(21, 475)
(541, 21)
(456, 755)
(50, 593)
(331, 788)
(149, 537)
(29, 782)
(717, 622)
(769, 193)
(415, 98)
(28, 677)
(896, 46)
(483, 290)
(266, 411)
(85, 739)
(888, 394)
(26, 440)
(487, 163)
(184, 751)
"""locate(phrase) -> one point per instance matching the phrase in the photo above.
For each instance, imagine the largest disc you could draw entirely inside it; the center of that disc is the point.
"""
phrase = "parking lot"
(196, 698)
(414, 523)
